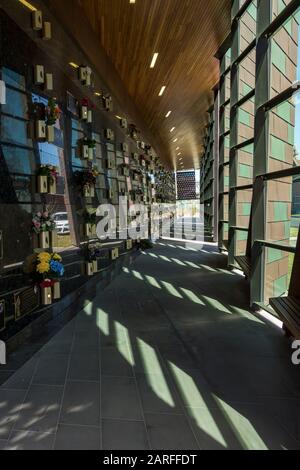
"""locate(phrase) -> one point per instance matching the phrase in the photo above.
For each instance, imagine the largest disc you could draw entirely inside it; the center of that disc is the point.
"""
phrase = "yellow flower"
(56, 257)
(44, 257)
(43, 268)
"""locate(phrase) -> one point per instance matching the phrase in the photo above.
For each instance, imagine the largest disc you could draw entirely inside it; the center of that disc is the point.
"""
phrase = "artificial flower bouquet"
(88, 146)
(53, 112)
(42, 225)
(86, 180)
(47, 179)
(92, 253)
(86, 110)
(90, 221)
(46, 269)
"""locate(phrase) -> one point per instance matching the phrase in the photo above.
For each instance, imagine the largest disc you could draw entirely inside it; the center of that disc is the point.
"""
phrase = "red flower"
(46, 283)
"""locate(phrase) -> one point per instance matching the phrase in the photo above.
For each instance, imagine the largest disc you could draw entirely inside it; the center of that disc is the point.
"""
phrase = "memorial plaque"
(26, 301)
(2, 315)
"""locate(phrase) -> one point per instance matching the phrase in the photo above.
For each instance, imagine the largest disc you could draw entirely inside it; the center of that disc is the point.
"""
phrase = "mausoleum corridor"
(168, 356)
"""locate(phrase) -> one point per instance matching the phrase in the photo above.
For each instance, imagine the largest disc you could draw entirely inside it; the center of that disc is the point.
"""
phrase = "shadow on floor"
(167, 357)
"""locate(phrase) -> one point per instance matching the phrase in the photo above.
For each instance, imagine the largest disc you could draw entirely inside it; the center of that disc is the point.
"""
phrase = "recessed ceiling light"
(154, 59)
(28, 5)
(175, 140)
(162, 90)
(177, 148)
(179, 154)
(173, 129)
(168, 114)
(75, 66)
(131, 1)
(97, 93)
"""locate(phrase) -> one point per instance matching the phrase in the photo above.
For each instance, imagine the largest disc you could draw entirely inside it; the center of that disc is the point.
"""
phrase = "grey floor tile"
(117, 361)
(18, 358)
(158, 394)
(77, 438)
(170, 432)
(128, 407)
(3, 444)
(87, 341)
(81, 404)
(287, 413)
(10, 401)
(20, 380)
(84, 366)
(124, 435)
(51, 369)
(40, 410)
(25, 440)
(239, 426)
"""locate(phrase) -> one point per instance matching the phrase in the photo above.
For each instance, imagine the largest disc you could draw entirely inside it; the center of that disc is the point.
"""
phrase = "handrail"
(276, 246)
(292, 171)
(237, 228)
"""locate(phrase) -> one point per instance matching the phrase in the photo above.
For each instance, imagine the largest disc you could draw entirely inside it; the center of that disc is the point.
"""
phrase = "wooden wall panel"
(187, 34)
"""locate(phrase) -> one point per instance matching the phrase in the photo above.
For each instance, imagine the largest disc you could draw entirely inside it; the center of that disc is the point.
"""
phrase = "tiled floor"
(168, 357)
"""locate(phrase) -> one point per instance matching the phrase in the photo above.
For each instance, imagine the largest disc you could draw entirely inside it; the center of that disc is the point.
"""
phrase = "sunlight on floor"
(155, 374)
(194, 401)
(244, 431)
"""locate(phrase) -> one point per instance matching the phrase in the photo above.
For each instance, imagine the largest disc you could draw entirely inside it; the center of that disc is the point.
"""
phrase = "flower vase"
(42, 184)
(94, 230)
(95, 266)
(89, 191)
(52, 185)
(88, 230)
(46, 295)
(84, 113)
(56, 292)
(90, 153)
(40, 129)
(50, 134)
(44, 240)
(85, 152)
(53, 238)
(89, 269)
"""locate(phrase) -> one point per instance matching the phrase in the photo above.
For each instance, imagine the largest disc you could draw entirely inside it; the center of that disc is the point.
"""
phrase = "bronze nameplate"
(2, 315)
(26, 302)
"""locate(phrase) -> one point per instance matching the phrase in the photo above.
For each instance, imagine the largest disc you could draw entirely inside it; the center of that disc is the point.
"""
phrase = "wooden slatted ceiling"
(186, 34)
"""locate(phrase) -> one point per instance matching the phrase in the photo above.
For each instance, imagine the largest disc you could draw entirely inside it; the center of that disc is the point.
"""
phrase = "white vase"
(90, 153)
(89, 269)
(50, 134)
(46, 295)
(56, 291)
(40, 129)
(44, 240)
(88, 230)
(84, 113)
(42, 184)
(95, 266)
(128, 244)
(52, 186)
(85, 152)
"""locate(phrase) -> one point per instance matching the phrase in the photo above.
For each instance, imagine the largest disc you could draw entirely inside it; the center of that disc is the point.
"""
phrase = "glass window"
(285, 55)
(284, 134)
(248, 26)
(19, 160)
